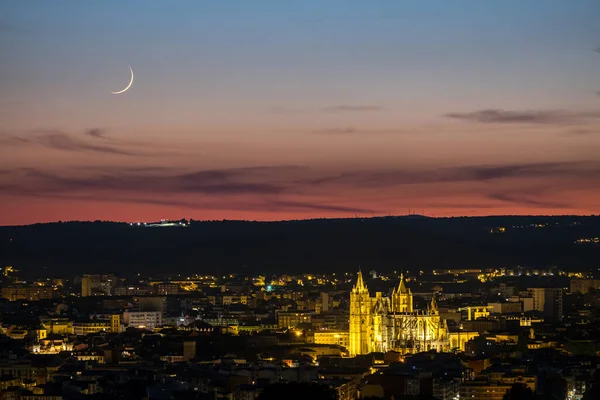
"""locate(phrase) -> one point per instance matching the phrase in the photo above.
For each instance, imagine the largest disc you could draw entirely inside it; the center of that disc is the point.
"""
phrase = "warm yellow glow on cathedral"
(379, 324)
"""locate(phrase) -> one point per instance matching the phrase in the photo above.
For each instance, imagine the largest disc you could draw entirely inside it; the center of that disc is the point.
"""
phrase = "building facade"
(583, 286)
(97, 285)
(143, 319)
(380, 324)
(291, 319)
(548, 301)
(338, 338)
(27, 292)
(111, 323)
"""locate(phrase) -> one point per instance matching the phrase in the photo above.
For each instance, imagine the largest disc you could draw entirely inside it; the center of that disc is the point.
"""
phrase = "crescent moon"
(128, 86)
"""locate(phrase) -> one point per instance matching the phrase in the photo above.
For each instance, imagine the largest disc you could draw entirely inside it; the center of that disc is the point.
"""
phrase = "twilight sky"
(271, 109)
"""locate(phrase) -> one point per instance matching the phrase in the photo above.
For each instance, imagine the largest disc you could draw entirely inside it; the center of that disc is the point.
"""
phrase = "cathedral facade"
(380, 324)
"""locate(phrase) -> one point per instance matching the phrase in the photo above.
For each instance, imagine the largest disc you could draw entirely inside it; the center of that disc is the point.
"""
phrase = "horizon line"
(422, 216)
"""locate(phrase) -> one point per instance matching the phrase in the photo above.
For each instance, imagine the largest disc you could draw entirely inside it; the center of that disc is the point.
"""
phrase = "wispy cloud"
(298, 188)
(473, 173)
(351, 108)
(270, 204)
(527, 199)
(8, 140)
(364, 131)
(251, 180)
(96, 133)
(291, 205)
(63, 141)
(282, 179)
(250, 188)
(496, 116)
(59, 140)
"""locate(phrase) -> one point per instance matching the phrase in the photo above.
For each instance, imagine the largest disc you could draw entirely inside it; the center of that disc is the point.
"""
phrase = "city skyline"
(269, 110)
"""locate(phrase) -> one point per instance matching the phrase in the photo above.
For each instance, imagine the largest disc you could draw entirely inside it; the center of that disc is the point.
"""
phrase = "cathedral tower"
(402, 298)
(360, 318)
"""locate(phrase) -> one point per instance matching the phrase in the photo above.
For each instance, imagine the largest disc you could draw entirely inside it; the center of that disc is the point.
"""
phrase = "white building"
(143, 319)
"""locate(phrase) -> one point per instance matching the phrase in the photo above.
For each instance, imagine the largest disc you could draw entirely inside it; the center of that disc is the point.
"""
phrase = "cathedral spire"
(360, 283)
(433, 306)
(401, 286)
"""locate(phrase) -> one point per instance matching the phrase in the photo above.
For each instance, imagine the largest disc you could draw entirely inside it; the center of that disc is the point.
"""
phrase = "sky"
(270, 109)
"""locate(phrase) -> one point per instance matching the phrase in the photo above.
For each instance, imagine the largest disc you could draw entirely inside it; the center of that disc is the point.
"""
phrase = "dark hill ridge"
(388, 243)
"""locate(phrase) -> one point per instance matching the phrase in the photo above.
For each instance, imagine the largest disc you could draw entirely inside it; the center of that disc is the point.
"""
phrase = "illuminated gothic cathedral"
(380, 324)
